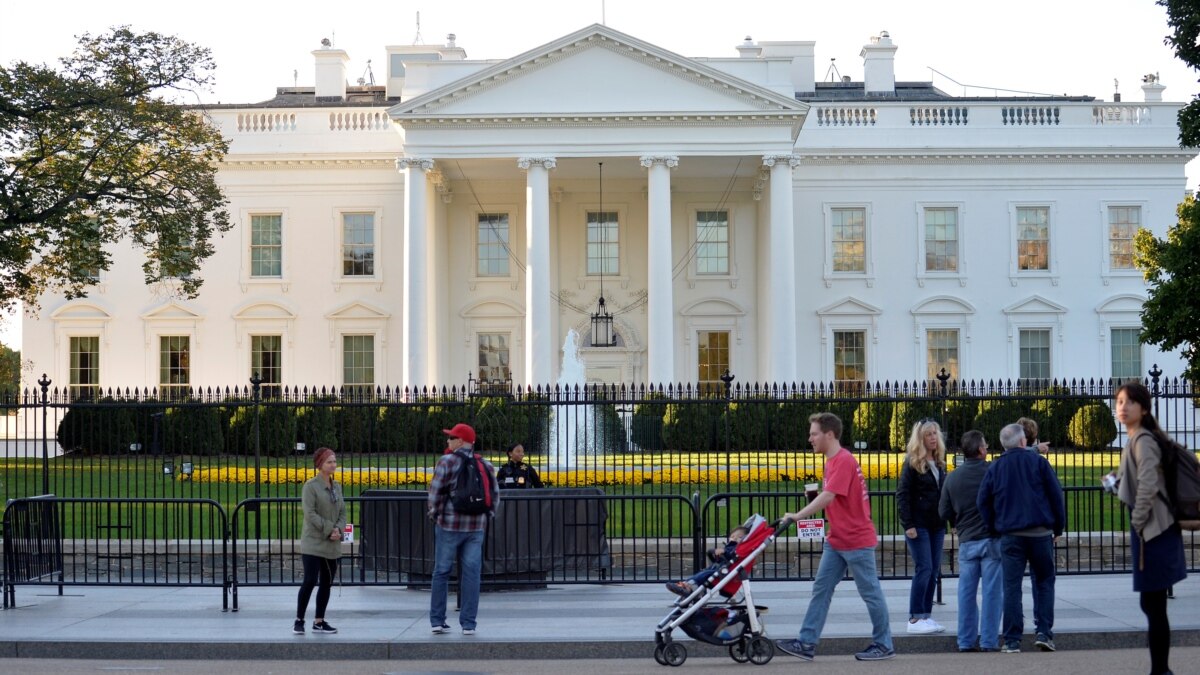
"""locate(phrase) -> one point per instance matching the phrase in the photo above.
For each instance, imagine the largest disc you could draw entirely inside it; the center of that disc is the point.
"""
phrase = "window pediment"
(86, 311)
(849, 307)
(943, 304)
(358, 310)
(172, 310)
(263, 310)
(1035, 304)
(1125, 303)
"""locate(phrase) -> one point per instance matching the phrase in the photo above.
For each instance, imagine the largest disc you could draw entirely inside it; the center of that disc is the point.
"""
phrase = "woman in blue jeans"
(917, 497)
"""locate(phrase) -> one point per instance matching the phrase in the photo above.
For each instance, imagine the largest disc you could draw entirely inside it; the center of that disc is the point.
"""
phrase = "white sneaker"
(922, 627)
(940, 628)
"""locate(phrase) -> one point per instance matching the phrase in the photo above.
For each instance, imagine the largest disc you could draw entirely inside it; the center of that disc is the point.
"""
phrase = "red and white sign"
(348, 534)
(813, 528)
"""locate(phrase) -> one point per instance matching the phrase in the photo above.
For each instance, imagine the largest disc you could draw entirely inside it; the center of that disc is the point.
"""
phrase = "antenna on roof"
(832, 74)
(603, 14)
(417, 38)
(295, 78)
(368, 76)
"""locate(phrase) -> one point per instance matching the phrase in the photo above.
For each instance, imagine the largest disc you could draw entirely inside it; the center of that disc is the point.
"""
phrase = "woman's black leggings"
(318, 572)
(1154, 605)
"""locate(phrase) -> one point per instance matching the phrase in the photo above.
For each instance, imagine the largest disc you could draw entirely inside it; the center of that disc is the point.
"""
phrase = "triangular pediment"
(1035, 304)
(597, 71)
(492, 308)
(849, 307)
(357, 310)
(171, 310)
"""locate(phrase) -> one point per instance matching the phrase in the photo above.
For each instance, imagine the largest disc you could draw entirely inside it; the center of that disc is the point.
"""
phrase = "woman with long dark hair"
(321, 539)
(1155, 539)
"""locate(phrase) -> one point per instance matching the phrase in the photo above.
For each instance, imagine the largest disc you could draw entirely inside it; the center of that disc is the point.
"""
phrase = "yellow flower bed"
(666, 469)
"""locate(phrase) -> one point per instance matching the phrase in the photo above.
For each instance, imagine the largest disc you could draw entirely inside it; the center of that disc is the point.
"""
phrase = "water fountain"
(572, 434)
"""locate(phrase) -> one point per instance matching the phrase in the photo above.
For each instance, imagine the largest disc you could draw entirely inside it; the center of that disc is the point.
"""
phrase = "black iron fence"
(120, 458)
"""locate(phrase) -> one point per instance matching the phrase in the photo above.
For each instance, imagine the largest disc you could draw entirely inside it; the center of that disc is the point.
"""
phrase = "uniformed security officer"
(516, 473)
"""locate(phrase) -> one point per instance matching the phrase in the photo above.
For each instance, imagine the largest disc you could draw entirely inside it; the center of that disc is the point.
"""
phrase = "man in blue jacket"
(1021, 499)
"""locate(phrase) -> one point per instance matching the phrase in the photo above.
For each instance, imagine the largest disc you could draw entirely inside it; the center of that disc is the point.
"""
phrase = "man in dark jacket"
(1020, 497)
(978, 550)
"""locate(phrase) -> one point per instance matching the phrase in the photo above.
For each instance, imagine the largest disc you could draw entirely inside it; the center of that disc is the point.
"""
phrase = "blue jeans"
(926, 552)
(861, 563)
(1038, 552)
(467, 547)
(979, 559)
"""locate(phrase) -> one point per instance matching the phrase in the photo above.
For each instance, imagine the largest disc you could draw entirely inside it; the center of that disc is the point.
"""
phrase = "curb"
(331, 648)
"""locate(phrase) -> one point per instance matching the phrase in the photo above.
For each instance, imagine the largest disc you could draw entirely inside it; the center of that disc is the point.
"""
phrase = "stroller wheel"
(760, 650)
(737, 651)
(658, 654)
(675, 654)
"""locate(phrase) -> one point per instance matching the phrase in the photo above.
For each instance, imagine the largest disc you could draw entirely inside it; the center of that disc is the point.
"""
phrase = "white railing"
(1116, 113)
(359, 121)
(924, 116)
(1030, 115)
(266, 122)
(846, 116)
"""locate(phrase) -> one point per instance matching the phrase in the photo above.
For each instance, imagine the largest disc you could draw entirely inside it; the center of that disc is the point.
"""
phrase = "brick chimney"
(879, 65)
(331, 72)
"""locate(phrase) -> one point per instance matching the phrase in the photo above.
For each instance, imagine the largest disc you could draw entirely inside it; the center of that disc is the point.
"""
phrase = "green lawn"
(628, 513)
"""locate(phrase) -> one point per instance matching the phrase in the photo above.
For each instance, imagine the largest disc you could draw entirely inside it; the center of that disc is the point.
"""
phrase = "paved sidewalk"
(592, 621)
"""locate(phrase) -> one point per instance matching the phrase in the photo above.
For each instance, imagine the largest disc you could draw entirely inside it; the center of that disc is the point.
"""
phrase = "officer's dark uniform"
(513, 475)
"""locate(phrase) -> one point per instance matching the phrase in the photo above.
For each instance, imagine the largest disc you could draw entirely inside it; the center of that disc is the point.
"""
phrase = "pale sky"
(1073, 47)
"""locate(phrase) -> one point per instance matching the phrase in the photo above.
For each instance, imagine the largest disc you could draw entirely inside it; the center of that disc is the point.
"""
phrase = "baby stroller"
(700, 617)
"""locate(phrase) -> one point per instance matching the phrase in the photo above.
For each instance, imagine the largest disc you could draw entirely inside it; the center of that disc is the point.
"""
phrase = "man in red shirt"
(850, 544)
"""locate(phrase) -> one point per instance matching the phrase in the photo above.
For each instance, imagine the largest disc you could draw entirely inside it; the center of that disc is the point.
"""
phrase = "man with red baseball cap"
(457, 536)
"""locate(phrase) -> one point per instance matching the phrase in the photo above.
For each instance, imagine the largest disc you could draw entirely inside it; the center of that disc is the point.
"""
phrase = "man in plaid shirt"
(457, 536)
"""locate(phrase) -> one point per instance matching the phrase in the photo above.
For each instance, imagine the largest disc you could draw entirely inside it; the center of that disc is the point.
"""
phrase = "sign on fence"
(813, 528)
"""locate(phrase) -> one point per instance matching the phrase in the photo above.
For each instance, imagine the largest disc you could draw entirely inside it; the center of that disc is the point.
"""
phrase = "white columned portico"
(781, 310)
(660, 306)
(539, 341)
(416, 328)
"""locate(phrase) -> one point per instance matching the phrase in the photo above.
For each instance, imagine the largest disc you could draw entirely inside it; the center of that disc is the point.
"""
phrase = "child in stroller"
(732, 619)
(719, 555)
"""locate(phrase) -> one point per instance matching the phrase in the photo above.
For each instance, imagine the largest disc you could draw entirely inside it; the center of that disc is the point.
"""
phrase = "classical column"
(539, 339)
(416, 326)
(781, 309)
(660, 305)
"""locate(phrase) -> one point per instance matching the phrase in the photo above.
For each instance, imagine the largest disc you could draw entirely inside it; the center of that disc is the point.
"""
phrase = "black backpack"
(471, 493)
(1181, 472)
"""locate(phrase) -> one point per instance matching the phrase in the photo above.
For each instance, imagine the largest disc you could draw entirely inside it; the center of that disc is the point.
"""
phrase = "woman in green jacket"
(321, 540)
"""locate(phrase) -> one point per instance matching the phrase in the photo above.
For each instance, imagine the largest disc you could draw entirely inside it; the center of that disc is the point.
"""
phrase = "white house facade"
(733, 213)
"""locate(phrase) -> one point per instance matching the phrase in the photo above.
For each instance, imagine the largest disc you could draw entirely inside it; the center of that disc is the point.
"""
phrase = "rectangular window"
(941, 351)
(712, 242)
(358, 364)
(603, 243)
(1123, 223)
(713, 360)
(174, 365)
(849, 233)
(850, 359)
(266, 246)
(1035, 353)
(1126, 354)
(492, 252)
(358, 244)
(266, 359)
(493, 358)
(1033, 238)
(941, 240)
(85, 367)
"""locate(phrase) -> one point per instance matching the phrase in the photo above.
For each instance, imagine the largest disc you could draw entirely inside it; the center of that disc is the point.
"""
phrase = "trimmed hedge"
(994, 415)
(1093, 427)
(906, 414)
(97, 429)
(872, 421)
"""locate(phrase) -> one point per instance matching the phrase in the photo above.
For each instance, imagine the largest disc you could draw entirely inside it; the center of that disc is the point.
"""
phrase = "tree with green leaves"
(1171, 313)
(101, 149)
(10, 370)
(1183, 16)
